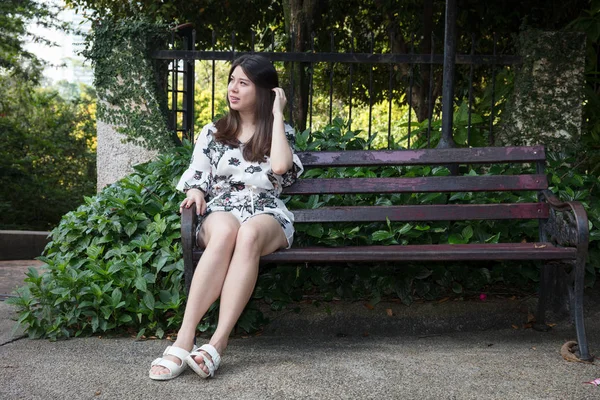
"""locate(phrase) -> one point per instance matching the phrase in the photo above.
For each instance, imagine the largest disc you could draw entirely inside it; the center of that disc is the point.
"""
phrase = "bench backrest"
(459, 157)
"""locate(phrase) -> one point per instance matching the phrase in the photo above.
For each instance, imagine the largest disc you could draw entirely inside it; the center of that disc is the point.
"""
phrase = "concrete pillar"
(546, 106)
(115, 157)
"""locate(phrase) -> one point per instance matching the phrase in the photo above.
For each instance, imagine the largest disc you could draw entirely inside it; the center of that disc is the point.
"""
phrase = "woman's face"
(241, 91)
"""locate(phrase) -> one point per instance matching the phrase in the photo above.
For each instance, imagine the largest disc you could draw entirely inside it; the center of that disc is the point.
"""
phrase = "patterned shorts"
(244, 212)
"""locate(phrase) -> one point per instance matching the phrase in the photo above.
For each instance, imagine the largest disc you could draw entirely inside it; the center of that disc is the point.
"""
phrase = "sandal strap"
(209, 364)
(191, 362)
(176, 351)
(168, 364)
(214, 354)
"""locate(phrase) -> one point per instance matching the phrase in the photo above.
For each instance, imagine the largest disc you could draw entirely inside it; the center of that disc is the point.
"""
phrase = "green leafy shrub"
(115, 264)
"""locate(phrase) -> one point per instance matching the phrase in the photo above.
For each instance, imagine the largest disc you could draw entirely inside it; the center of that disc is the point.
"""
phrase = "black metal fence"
(182, 77)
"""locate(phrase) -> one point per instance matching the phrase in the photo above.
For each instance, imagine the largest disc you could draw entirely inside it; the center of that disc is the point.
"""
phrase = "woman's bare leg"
(218, 234)
(260, 235)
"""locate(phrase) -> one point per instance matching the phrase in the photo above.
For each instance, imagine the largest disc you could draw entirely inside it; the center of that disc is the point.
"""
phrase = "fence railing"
(417, 67)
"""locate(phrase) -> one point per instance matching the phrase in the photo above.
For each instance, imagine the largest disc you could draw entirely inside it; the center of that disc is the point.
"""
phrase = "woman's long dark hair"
(264, 76)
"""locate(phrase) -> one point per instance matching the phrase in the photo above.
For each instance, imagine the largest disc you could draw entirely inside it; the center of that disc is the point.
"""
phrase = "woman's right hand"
(279, 102)
(194, 196)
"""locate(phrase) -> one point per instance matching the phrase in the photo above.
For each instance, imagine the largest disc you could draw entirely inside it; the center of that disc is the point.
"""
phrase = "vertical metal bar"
(540, 168)
(546, 271)
(577, 306)
(212, 100)
(491, 137)
(192, 89)
(184, 98)
(596, 82)
(292, 37)
(189, 90)
(470, 110)
(252, 38)
(351, 84)
(390, 88)
(410, 87)
(430, 96)
(331, 80)
(172, 119)
(232, 45)
(310, 83)
(174, 69)
(272, 41)
(370, 91)
(446, 139)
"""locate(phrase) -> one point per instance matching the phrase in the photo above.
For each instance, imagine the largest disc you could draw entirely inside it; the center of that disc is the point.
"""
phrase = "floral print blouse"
(233, 184)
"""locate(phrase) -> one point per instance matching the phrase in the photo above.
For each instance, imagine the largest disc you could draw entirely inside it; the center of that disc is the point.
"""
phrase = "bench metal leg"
(552, 296)
(577, 310)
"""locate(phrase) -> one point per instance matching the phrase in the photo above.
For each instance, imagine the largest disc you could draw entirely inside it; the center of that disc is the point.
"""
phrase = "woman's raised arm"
(281, 154)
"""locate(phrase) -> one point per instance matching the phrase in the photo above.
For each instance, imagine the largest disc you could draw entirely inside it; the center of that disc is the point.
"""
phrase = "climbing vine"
(548, 95)
(129, 83)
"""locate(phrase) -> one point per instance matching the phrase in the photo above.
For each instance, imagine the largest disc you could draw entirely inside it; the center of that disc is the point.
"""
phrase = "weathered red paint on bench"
(427, 252)
(435, 212)
(481, 155)
(429, 184)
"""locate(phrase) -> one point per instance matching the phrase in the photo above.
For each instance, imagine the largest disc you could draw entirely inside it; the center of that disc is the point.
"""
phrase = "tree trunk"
(420, 90)
(299, 15)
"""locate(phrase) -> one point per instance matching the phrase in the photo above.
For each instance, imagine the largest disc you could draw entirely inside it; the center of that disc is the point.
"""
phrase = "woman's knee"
(260, 234)
(220, 230)
(248, 238)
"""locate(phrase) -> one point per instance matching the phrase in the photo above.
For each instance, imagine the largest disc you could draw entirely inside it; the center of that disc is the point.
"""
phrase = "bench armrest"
(567, 224)
(189, 221)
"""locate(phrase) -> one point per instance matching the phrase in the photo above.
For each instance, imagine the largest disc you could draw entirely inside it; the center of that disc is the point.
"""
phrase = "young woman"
(239, 166)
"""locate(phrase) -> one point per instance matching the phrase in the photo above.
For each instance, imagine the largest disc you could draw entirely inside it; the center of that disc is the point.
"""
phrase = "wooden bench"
(563, 226)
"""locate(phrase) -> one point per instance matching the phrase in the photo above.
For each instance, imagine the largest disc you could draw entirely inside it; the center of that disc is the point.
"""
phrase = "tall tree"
(358, 25)
(299, 24)
(222, 17)
(15, 17)
(47, 144)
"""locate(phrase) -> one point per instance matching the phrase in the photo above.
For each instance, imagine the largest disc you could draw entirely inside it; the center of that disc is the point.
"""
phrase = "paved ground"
(450, 350)
(12, 274)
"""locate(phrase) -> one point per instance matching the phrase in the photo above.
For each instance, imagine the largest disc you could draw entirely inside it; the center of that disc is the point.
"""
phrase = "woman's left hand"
(280, 101)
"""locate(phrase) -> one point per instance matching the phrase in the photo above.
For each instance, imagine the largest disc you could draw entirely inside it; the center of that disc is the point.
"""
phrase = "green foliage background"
(47, 153)
(47, 140)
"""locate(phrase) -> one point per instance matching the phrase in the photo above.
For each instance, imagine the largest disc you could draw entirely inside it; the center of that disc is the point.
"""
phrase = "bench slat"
(437, 212)
(483, 183)
(429, 252)
(477, 155)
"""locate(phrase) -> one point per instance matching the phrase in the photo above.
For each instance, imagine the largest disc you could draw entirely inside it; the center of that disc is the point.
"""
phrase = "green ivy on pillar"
(131, 86)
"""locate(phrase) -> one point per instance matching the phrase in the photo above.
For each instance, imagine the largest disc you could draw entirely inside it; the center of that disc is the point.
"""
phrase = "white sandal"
(212, 365)
(174, 369)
